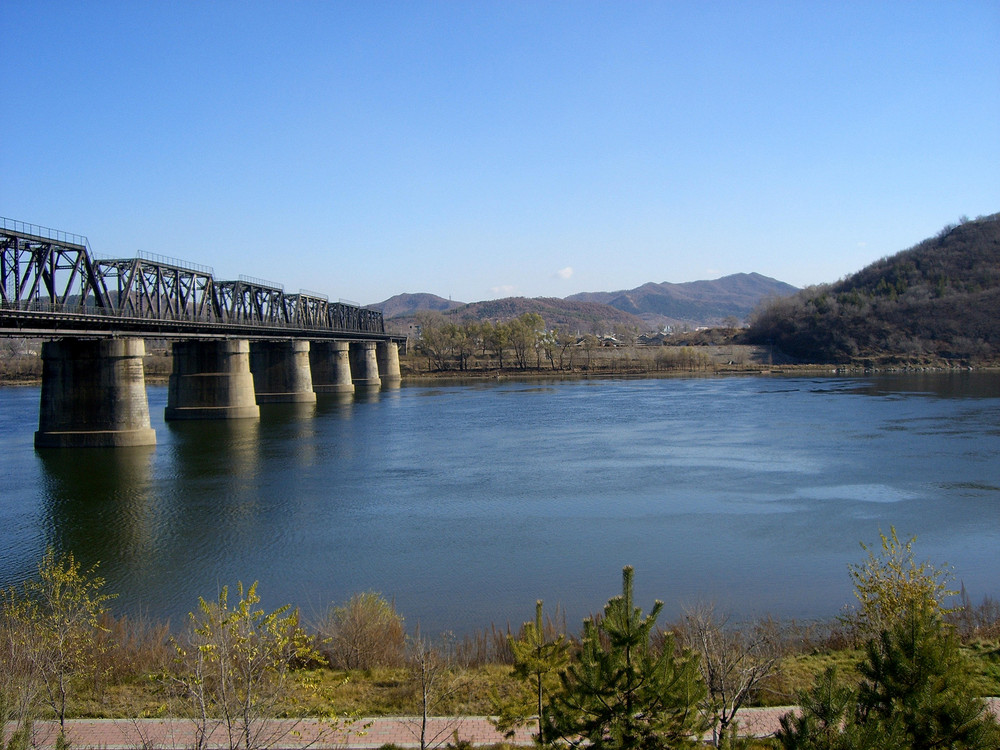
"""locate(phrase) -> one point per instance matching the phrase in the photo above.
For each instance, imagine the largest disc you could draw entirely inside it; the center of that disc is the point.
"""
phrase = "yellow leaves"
(891, 584)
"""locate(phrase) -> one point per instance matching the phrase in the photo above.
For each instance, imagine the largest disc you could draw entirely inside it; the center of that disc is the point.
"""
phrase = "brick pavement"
(178, 734)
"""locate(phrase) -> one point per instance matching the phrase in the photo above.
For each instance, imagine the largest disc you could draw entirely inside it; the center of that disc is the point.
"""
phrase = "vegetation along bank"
(907, 665)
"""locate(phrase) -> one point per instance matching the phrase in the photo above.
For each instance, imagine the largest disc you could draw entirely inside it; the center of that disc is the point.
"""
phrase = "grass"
(392, 692)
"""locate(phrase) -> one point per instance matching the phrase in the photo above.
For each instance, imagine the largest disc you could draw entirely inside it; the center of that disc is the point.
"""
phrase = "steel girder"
(38, 273)
(142, 288)
(51, 272)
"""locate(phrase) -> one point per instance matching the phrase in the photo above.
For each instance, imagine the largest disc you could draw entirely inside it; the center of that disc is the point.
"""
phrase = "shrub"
(364, 633)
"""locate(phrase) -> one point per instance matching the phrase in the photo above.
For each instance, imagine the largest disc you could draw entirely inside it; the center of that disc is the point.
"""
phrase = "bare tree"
(734, 661)
(431, 670)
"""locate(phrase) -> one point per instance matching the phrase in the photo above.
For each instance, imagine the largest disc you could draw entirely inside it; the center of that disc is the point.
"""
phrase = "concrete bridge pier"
(387, 354)
(93, 395)
(281, 372)
(211, 380)
(331, 367)
(364, 365)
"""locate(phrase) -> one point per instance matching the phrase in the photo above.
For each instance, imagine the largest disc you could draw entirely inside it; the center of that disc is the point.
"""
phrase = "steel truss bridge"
(51, 284)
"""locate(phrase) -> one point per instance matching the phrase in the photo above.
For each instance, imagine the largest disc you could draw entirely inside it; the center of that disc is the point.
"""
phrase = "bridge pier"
(364, 365)
(93, 395)
(331, 367)
(211, 380)
(281, 372)
(387, 354)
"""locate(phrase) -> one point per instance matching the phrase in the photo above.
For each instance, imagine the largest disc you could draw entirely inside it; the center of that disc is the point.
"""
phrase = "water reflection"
(101, 503)
(216, 449)
(952, 384)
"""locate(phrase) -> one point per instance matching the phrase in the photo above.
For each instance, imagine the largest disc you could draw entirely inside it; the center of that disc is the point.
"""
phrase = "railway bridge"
(235, 344)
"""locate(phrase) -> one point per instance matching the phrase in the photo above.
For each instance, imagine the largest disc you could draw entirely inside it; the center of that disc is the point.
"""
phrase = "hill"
(936, 301)
(693, 303)
(585, 317)
(407, 304)
(648, 307)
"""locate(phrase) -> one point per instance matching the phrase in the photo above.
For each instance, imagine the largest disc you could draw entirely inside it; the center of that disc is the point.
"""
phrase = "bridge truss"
(50, 281)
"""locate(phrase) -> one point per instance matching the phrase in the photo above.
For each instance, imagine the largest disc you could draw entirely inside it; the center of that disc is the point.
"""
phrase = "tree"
(433, 341)
(460, 342)
(828, 720)
(538, 660)
(496, 337)
(892, 585)
(590, 344)
(55, 619)
(547, 342)
(524, 332)
(430, 669)
(19, 683)
(566, 341)
(235, 664)
(620, 692)
(916, 682)
(916, 689)
(364, 633)
(733, 662)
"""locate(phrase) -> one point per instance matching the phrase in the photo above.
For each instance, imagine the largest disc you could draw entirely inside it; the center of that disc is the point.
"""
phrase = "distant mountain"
(648, 307)
(695, 303)
(407, 304)
(936, 301)
(566, 314)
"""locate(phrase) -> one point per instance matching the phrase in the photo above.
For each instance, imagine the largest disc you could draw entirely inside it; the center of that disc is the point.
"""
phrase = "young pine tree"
(621, 693)
(537, 663)
(915, 680)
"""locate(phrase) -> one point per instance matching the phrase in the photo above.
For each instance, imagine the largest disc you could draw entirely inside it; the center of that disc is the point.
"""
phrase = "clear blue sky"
(485, 149)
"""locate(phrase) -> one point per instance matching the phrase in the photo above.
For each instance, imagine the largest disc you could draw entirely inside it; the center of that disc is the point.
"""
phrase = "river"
(466, 503)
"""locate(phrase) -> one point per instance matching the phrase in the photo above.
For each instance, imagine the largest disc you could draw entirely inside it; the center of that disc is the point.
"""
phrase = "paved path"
(178, 734)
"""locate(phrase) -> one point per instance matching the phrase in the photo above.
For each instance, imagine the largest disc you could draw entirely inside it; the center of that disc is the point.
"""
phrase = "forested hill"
(939, 300)
(557, 313)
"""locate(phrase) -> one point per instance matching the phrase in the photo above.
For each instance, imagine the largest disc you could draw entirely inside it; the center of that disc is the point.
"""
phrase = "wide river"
(466, 503)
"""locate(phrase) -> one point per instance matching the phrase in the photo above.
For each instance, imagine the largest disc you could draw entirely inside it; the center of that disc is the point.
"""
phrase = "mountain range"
(648, 307)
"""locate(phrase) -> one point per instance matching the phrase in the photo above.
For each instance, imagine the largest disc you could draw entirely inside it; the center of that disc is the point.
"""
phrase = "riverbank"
(618, 362)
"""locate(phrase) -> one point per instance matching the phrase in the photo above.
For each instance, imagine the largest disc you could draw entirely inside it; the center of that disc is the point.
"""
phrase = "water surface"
(464, 504)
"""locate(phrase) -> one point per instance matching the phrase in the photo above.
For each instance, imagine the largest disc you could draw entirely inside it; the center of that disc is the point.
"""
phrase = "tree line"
(526, 343)
(624, 683)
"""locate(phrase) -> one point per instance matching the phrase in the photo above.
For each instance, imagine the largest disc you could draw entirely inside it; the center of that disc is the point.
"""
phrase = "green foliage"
(235, 663)
(917, 684)
(364, 633)
(891, 585)
(538, 660)
(917, 690)
(52, 623)
(620, 692)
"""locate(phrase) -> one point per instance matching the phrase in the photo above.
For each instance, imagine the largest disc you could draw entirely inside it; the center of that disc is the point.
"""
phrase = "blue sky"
(477, 150)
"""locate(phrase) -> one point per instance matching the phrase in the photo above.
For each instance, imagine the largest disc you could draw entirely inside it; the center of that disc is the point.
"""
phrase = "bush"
(365, 633)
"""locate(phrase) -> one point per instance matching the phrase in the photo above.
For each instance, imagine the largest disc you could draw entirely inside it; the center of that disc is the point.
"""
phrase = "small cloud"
(712, 272)
(565, 273)
(505, 290)
(862, 244)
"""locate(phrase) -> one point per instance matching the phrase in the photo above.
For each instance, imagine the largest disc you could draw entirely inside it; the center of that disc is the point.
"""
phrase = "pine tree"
(916, 677)
(537, 662)
(621, 692)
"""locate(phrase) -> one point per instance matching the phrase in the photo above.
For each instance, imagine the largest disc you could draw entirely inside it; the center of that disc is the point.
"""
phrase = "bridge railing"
(165, 260)
(57, 235)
